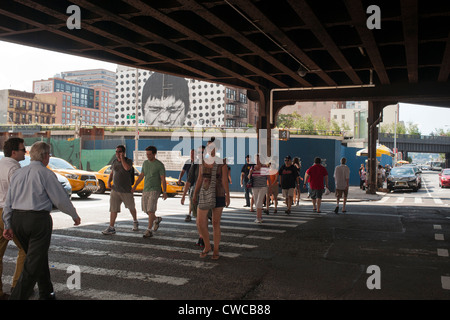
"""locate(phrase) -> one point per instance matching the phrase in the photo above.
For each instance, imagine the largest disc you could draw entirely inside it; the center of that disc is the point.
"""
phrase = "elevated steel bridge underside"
(260, 45)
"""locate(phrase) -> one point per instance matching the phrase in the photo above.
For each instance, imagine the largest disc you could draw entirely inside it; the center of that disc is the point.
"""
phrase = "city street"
(392, 248)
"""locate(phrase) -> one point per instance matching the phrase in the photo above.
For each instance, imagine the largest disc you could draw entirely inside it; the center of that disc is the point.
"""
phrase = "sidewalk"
(355, 194)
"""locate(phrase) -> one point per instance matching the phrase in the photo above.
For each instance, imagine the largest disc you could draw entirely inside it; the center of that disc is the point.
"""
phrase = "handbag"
(207, 196)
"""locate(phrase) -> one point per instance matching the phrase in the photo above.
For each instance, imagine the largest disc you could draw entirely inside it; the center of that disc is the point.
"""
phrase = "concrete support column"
(264, 118)
(375, 116)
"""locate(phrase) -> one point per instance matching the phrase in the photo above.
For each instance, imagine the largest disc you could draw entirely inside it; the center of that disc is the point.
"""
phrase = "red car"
(444, 178)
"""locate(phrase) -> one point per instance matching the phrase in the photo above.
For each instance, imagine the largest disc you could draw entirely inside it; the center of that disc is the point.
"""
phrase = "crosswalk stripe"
(162, 237)
(438, 201)
(130, 275)
(400, 200)
(418, 200)
(138, 245)
(191, 228)
(133, 256)
(90, 293)
(257, 228)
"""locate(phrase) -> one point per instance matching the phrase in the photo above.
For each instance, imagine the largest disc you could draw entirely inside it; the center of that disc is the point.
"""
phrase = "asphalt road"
(394, 248)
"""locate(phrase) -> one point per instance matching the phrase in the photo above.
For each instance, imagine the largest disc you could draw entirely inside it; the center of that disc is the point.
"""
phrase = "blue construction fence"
(236, 149)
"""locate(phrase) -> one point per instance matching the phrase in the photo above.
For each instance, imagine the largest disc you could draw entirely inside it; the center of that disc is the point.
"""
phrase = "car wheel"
(101, 187)
(84, 195)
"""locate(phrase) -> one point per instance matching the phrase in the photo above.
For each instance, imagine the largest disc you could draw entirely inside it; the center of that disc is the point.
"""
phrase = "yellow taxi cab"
(172, 186)
(83, 183)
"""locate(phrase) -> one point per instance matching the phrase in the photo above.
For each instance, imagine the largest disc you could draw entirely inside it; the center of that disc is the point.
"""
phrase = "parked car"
(172, 186)
(444, 178)
(417, 171)
(83, 183)
(63, 180)
(403, 178)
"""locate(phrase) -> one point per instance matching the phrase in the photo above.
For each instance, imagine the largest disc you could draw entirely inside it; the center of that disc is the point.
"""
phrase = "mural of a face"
(165, 100)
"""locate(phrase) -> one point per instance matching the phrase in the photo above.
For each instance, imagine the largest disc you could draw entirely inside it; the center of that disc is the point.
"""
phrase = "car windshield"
(402, 171)
(56, 163)
(446, 172)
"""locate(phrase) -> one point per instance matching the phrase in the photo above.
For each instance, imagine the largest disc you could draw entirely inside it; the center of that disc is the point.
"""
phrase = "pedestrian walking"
(297, 192)
(342, 179)
(33, 191)
(315, 175)
(154, 173)
(186, 167)
(212, 192)
(245, 182)
(272, 192)
(259, 174)
(121, 177)
(362, 176)
(14, 151)
(288, 174)
(189, 188)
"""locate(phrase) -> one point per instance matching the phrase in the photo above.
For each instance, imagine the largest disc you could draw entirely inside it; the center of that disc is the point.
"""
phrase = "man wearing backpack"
(122, 178)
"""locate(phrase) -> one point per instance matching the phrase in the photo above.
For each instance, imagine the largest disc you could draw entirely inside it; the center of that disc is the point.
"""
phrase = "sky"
(20, 65)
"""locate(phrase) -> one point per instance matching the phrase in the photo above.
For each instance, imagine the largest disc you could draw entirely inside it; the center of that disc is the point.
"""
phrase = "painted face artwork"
(164, 112)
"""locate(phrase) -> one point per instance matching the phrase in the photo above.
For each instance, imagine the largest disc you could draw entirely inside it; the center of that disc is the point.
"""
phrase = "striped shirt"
(259, 177)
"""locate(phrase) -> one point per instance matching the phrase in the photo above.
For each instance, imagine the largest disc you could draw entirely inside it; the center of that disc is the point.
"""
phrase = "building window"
(243, 112)
(230, 108)
(231, 94)
(230, 123)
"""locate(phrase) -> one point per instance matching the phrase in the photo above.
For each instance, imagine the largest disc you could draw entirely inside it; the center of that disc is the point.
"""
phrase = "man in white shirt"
(341, 178)
(14, 151)
(33, 191)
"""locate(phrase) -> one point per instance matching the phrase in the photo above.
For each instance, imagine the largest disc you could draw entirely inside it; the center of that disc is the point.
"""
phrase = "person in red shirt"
(316, 175)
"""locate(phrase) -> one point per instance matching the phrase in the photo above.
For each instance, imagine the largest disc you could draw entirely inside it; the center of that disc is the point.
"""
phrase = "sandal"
(204, 253)
(215, 257)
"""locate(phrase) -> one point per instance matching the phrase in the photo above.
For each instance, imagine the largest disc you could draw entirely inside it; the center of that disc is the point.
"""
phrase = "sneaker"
(188, 218)
(336, 210)
(148, 233)
(156, 223)
(109, 230)
(135, 226)
(258, 221)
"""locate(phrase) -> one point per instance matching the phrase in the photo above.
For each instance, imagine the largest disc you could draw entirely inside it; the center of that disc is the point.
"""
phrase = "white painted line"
(442, 252)
(445, 282)
(439, 236)
(400, 200)
(437, 226)
(108, 241)
(157, 235)
(90, 293)
(130, 275)
(418, 200)
(438, 201)
(132, 256)
(224, 227)
(384, 199)
(97, 294)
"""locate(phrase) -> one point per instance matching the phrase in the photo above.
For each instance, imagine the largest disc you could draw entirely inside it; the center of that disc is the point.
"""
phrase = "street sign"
(283, 135)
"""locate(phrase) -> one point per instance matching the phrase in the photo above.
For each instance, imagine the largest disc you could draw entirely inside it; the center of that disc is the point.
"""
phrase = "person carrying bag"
(207, 196)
